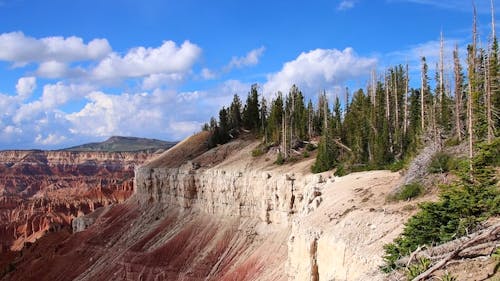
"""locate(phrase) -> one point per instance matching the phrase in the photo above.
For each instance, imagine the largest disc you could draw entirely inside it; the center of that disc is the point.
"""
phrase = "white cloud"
(318, 70)
(25, 86)
(19, 49)
(250, 59)
(53, 96)
(138, 62)
(50, 139)
(158, 80)
(346, 5)
(52, 69)
(208, 74)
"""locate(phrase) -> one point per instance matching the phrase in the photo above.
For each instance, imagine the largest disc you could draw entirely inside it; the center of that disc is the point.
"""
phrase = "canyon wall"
(42, 191)
(335, 227)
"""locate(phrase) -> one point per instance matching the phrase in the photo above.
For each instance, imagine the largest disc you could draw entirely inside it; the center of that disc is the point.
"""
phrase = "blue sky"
(80, 71)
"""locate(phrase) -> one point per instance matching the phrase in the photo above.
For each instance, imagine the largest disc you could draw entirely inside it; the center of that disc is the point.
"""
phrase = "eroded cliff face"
(335, 227)
(42, 191)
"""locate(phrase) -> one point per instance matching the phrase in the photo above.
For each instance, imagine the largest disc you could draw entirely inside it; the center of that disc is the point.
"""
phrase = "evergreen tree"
(235, 120)
(325, 159)
(251, 111)
(275, 120)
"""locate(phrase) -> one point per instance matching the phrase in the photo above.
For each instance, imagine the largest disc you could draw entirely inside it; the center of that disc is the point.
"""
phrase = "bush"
(440, 163)
(257, 152)
(310, 147)
(305, 154)
(460, 208)
(340, 171)
(396, 166)
(451, 142)
(409, 191)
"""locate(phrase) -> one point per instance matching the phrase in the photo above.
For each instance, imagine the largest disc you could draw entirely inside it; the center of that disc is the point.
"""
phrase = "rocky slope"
(224, 215)
(42, 191)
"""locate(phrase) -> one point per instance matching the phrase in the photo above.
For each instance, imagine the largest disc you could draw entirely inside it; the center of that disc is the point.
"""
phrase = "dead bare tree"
(457, 69)
(405, 114)
(422, 94)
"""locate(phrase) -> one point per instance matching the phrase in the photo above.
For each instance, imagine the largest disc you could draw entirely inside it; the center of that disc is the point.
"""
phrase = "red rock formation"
(42, 191)
(128, 242)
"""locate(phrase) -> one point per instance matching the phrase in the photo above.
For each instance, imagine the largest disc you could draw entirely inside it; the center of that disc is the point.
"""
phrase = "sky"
(80, 71)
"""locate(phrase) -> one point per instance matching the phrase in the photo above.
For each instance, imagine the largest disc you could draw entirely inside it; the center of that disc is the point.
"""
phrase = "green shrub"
(340, 171)
(409, 191)
(257, 152)
(440, 163)
(451, 142)
(310, 147)
(305, 154)
(460, 208)
(396, 166)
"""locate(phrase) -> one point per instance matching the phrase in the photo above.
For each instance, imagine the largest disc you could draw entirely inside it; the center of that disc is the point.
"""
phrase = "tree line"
(383, 124)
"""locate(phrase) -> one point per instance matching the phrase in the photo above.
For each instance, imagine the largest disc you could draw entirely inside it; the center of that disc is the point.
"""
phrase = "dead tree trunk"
(472, 80)
(405, 114)
(388, 113)
(422, 96)
(458, 93)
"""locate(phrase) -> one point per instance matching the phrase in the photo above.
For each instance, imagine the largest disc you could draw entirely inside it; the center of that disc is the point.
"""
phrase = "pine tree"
(251, 111)
(235, 120)
(275, 120)
(326, 157)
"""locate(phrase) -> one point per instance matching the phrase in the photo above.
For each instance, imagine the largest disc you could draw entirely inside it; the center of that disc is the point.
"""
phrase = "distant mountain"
(124, 144)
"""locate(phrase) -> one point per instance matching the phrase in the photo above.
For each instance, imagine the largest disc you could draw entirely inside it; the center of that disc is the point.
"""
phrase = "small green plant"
(448, 277)
(409, 191)
(415, 270)
(305, 154)
(280, 160)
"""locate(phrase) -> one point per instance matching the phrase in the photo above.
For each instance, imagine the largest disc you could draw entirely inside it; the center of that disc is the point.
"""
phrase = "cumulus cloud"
(158, 80)
(318, 70)
(346, 5)
(20, 49)
(139, 62)
(251, 58)
(53, 96)
(50, 139)
(25, 86)
(52, 69)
